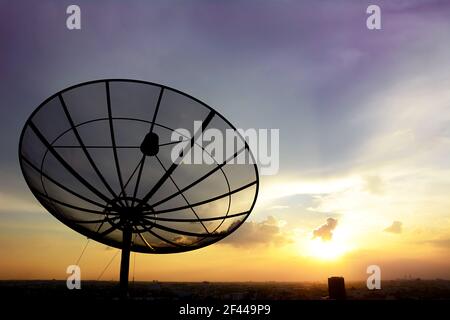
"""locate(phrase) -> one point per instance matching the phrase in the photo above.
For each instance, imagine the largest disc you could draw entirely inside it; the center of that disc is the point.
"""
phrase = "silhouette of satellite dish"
(97, 156)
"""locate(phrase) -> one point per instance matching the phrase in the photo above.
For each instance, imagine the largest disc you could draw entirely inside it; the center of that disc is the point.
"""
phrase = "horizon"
(241, 281)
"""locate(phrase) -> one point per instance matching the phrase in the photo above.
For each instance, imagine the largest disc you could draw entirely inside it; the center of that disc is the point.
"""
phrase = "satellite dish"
(97, 156)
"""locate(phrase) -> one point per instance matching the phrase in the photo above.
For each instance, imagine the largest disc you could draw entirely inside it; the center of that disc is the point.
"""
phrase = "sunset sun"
(326, 250)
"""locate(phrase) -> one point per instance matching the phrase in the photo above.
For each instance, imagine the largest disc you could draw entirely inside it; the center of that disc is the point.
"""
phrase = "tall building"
(336, 288)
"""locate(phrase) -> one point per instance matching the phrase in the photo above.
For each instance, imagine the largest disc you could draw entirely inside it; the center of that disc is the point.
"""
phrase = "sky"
(364, 119)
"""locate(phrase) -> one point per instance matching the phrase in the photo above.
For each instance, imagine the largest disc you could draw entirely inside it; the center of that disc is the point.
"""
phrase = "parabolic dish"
(98, 157)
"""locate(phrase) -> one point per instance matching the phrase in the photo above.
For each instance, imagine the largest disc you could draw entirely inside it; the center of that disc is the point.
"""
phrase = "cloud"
(325, 231)
(396, 227)
(184, 240)
(374, 185)
(439, 243)
(251, 233)
(278, 207)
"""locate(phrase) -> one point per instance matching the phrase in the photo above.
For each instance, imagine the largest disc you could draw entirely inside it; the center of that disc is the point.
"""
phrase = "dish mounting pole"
(125, 261)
